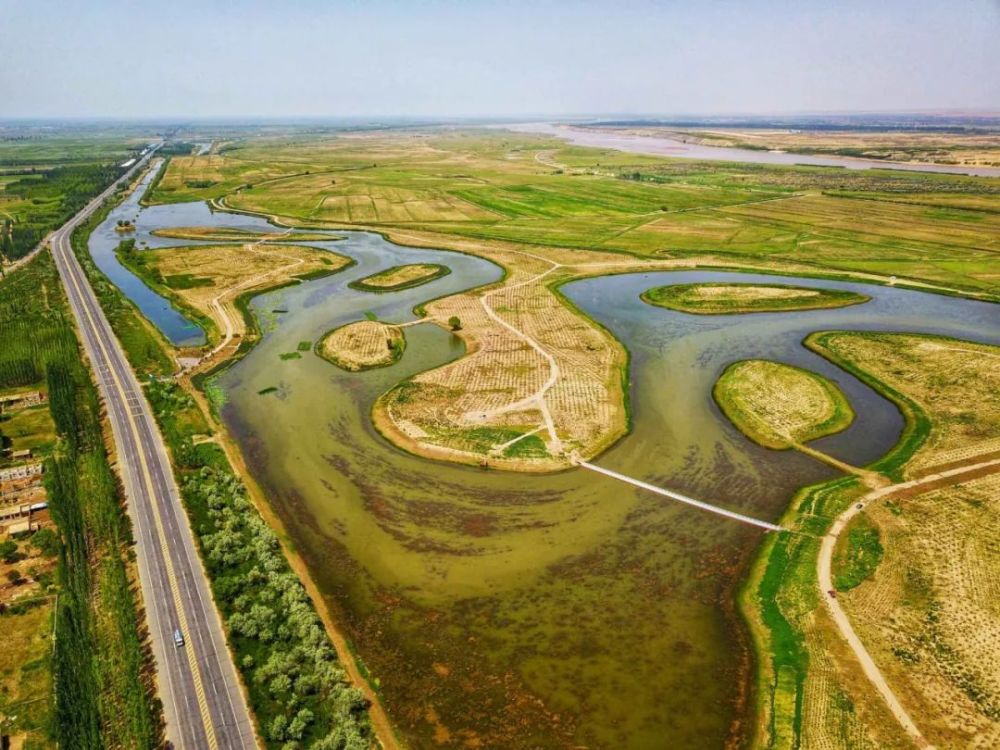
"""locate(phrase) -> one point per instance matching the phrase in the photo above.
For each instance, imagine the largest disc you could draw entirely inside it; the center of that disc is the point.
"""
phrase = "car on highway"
(178, 637)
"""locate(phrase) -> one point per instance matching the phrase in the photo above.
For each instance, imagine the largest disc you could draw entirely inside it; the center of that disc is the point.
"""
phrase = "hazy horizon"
(311, 60)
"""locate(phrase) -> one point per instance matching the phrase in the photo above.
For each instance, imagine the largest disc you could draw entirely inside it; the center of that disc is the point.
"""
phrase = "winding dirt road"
(840, 618)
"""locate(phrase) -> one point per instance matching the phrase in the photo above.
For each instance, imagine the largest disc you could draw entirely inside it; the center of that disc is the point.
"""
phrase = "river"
(524, 611)
(663, 146)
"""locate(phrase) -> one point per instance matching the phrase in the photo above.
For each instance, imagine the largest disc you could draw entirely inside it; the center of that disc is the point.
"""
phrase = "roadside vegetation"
(298, 690)
(725, 298)
(780, 406)
(99, 660)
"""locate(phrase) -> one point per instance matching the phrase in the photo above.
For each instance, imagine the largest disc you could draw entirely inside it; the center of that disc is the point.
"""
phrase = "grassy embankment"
(778, 405)
(105, 695)
(724, 298)
(401, 277)
(239, 234)
(811, 691)
(297, 689)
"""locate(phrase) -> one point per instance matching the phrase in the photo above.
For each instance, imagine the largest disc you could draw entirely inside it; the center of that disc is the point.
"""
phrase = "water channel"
(664, 146)
(533, 611)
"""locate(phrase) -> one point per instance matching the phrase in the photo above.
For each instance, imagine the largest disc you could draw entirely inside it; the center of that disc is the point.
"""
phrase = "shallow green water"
(542, 611)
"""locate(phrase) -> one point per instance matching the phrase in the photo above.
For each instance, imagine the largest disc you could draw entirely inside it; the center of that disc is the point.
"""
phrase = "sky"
(512, 58)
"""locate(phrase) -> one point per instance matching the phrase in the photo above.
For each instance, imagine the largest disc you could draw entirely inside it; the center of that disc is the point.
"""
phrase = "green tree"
(455, 323)
(8, 551)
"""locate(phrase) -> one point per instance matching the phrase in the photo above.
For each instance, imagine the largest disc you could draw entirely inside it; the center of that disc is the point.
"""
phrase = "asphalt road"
(198, 683)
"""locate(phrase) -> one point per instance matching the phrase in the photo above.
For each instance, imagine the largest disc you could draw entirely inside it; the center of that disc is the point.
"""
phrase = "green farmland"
(938, 229)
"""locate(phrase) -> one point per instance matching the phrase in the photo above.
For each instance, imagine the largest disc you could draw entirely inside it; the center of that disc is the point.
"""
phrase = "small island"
(362, 345)
(780, 406)
(124, 226)
(243, 234)
(726, 298)
(401, 277)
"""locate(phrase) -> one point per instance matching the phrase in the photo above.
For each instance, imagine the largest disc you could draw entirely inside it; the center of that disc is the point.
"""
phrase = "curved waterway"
(563, 610)
(663, 146)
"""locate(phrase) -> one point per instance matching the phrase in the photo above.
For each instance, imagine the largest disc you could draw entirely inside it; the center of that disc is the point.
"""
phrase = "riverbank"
(811, 687)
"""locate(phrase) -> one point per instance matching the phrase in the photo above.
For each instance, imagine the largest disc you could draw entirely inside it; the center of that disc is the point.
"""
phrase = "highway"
(198, 684)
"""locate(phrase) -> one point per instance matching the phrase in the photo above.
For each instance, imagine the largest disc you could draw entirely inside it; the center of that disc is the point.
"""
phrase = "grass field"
(913, 570)
(935, 228)
(548, 212)
(778, 405)
(728, 299)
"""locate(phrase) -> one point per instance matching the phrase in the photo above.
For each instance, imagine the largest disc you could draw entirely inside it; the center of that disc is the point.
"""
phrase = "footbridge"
(682, 498)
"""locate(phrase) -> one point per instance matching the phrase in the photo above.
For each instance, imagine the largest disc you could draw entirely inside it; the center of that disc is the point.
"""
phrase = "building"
(23, 471)
(23, 400)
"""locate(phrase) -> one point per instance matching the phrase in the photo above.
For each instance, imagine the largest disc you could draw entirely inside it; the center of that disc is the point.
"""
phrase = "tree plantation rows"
(103, 686)
(299, 692)
(43, 201)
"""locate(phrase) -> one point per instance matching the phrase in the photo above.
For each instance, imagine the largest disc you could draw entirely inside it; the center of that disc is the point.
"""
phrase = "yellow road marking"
(171, 577)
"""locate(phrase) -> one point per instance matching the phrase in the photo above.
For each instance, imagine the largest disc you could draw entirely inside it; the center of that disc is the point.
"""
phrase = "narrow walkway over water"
(683, 498)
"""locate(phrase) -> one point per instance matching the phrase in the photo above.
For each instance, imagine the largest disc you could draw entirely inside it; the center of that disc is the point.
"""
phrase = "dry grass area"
(778, 406)
(929, 611)
(26, 677)
(540, 381)
(401, 277)
(931, 614)
(745, 294)
(210, 278)
(956, 383)
(363, 345)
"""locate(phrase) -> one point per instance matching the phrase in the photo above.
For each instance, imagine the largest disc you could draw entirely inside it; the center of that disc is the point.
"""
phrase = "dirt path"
(872, 479)
(843, 623)
(537, 399)
(24, 260)
(220, 302)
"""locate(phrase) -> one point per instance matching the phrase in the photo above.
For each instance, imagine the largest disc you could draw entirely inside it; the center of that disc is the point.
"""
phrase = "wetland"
(523, 610)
